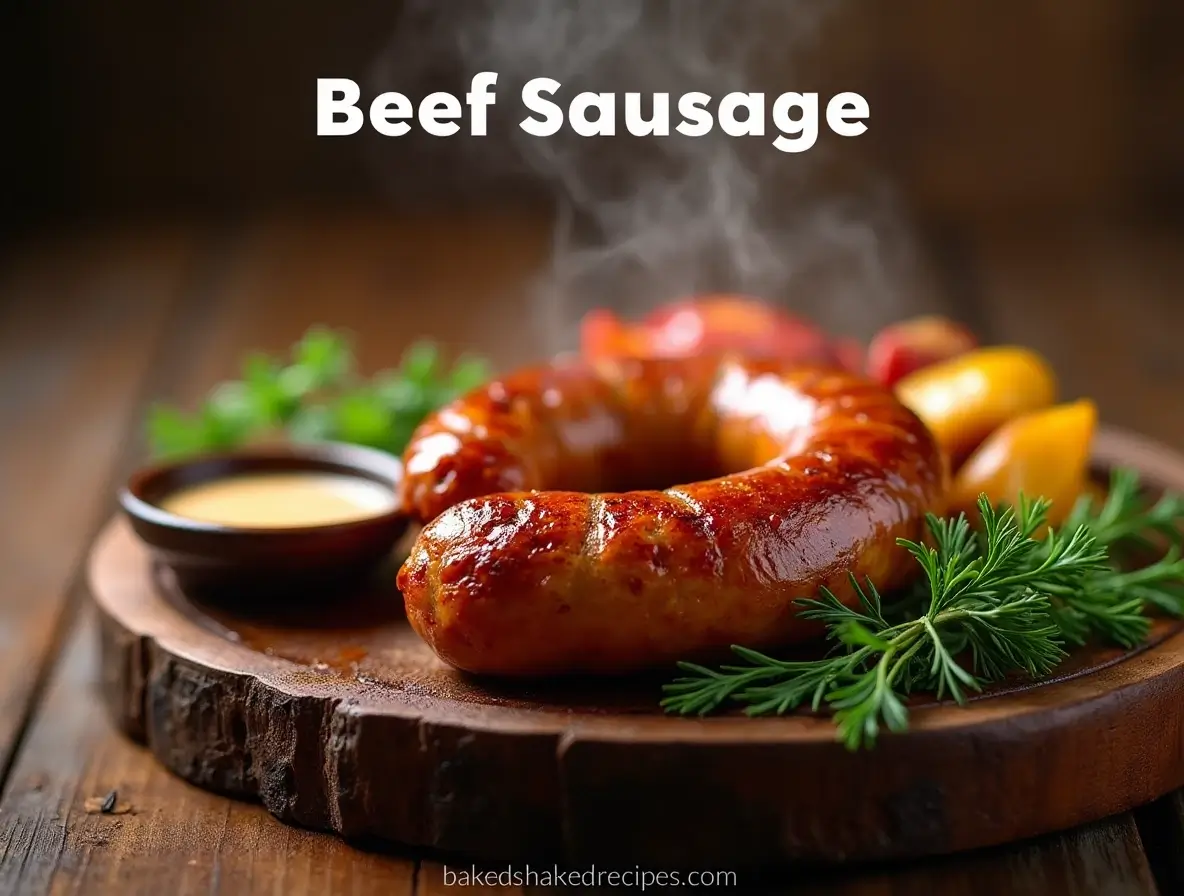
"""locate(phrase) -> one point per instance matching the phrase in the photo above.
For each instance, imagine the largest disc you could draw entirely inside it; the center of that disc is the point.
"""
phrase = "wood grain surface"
(258, 287)
(67, 400)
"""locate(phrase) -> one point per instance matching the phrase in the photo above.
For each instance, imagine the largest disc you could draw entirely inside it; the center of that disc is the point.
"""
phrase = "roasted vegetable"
(1042, 453)
(965, 399)
(712, 324)
(910, 345)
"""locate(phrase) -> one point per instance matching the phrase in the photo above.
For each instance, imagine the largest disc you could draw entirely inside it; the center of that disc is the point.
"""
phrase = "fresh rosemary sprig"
(994, 604)
(316, 396)
(1110, 603)
(1126, 519)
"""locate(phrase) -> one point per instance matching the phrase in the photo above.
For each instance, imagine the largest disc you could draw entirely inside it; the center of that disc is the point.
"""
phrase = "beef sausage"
(537, 558)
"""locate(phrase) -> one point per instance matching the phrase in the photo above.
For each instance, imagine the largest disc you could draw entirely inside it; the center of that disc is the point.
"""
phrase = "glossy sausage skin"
(535, 559)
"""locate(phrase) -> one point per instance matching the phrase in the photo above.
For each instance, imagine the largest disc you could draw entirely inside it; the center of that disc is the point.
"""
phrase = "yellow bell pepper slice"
(965, 399)
(1042, 454)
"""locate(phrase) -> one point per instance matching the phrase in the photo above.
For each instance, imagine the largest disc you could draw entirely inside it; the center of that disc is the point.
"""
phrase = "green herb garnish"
(316, 395)
(988, 606)
(1111, 603)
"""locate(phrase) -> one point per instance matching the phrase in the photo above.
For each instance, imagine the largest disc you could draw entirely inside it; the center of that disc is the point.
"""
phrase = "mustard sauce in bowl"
(281, 500)
(295, 519)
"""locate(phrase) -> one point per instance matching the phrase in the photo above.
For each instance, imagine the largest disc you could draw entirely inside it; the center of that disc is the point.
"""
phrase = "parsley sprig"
(991, 604)
(316, 394)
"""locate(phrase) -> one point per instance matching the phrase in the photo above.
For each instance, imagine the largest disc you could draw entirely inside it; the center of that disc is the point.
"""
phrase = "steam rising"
(643, 220)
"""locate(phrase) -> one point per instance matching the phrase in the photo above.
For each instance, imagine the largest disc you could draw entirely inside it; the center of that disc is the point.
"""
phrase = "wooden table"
(95, 326)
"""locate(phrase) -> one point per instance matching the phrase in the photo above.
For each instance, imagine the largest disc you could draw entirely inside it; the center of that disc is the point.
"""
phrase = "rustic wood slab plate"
(337, 717)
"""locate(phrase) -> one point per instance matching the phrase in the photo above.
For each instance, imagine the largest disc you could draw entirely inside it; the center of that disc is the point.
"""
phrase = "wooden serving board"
(337, 717)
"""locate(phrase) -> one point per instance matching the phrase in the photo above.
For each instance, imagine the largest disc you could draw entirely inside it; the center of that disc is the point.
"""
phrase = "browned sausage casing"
(527, 565)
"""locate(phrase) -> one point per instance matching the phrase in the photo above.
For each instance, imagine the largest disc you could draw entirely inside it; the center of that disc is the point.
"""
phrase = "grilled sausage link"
(528, 566)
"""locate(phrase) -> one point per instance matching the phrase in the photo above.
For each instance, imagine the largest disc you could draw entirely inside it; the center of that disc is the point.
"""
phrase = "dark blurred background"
(1033, 148)
(983, 112)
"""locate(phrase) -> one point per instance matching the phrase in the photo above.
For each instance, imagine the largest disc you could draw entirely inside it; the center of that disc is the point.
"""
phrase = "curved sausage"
(536, 558)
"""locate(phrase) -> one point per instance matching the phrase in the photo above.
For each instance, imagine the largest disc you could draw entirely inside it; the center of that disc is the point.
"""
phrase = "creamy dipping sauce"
(281, 500)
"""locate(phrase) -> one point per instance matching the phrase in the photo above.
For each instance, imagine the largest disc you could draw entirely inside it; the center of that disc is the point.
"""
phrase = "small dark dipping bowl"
(215, 560)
